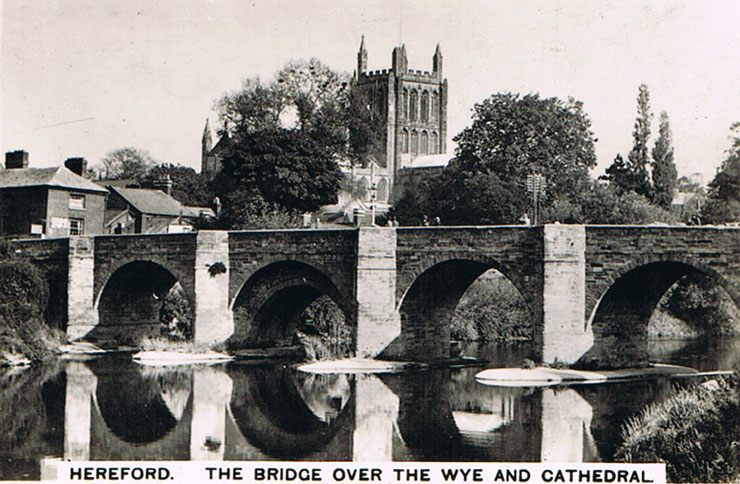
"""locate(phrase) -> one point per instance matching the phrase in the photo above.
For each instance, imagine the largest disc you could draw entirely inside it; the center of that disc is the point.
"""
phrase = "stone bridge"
(591, 289)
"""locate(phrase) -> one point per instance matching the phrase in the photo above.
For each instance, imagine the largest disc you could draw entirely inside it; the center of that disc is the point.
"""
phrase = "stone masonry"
(590, 289)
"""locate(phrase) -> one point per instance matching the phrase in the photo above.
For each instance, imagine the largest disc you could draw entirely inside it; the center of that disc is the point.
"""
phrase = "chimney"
(76, 165)
(165, 184)
(16, 159)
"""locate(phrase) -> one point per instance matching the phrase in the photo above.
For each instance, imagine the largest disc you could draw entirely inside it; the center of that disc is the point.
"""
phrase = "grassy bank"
(696, 433)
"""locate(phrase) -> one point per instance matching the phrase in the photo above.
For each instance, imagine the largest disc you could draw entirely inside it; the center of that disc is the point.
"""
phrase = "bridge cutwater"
(591, 289)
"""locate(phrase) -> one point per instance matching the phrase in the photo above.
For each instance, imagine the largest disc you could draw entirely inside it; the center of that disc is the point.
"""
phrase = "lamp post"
(536, 186)
(373, 195)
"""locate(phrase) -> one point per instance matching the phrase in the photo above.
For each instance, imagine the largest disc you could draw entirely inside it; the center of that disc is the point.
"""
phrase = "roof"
(150, 201)
(425, 161)
(54, 177)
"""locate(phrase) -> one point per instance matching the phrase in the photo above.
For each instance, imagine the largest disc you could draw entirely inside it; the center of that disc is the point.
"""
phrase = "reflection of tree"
(32, 423)
(325, 395)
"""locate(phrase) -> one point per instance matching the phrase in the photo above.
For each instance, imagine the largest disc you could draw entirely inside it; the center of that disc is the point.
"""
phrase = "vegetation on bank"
(24, 335)
(696, 433)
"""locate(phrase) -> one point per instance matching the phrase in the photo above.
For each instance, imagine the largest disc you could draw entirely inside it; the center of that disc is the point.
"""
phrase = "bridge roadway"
(591, 289)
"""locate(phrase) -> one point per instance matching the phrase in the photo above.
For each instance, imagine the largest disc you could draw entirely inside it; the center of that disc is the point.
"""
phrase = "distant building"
(412, 105)
(49, 202)
(147, 211)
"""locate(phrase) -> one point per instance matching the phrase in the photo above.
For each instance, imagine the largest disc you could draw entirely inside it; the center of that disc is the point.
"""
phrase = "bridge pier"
(79, 395)
(214, 320)
(562, 335)
(378, 322)
(81, 314)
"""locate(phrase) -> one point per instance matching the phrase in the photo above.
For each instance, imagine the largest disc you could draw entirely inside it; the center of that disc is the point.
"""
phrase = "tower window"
(435, 105)
(433, 143)
(402, 105)
(424, 143)
(425, 106)
(414, 142)
(405, 141)
(413, 100)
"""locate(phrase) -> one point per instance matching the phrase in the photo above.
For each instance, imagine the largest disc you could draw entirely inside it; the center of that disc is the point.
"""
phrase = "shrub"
(176, 316)
(696, 433)
(23, 301)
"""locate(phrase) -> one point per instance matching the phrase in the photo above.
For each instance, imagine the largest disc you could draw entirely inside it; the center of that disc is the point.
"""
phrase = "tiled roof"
(150, 201)
(54, 177)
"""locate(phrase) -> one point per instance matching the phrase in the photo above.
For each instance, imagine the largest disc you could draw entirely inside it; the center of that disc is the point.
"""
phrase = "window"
(435, 105)
(76, 201)
(412, 105)
(425, 106)
(76, 226)
(433, 143)
(404, 141)
(424, 148)
(414, 142)
(402, 107)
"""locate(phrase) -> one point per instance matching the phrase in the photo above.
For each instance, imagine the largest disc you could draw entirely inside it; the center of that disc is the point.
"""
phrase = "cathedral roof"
(425, 161)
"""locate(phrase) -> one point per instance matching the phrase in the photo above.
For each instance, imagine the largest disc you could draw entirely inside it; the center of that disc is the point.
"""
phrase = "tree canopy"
(723, 204)
(665, 175)
(511, 137)
(125, 163)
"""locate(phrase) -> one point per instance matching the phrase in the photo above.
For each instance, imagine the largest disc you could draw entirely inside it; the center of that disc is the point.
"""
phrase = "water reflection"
(112, 409)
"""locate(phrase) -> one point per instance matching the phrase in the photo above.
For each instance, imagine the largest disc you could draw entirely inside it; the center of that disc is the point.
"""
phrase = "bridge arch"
(130, 299)
(267, 308)
(427, 304)
(269, 411)
(620, 307)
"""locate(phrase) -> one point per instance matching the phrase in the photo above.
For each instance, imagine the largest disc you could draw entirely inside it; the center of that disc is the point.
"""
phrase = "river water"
(111, 408)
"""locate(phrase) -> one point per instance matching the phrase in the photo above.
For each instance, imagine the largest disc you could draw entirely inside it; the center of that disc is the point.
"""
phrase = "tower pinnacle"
(437, 61)
(361, 58)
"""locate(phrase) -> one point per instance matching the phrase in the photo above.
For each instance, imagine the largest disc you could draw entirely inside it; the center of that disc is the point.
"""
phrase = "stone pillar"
(566, 422)
(376, 409)
(214, 321)
(211, 397)
(79, 394)
(378, 322)
(82, 315)
(563, 336)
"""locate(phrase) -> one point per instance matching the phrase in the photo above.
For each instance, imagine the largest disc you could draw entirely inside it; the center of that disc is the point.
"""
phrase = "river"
(110, 408)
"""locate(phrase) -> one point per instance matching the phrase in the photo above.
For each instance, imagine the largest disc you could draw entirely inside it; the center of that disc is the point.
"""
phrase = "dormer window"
(76, 201)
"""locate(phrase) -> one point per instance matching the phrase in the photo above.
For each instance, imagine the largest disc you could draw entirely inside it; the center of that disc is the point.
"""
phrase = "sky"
(85, 77)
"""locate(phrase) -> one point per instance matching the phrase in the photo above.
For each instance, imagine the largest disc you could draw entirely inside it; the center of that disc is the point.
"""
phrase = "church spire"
(206, 141)
(361, 58)
(437, 61)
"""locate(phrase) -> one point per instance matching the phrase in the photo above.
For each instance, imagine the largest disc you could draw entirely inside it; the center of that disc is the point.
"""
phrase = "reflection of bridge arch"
(268, 306)
(429, 302)
(627, 298)
(268, 411)
(137, 417)
(131, 298)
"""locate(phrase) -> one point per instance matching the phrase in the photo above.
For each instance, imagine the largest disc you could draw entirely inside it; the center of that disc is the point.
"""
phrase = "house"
(49, 202)
(147, 211)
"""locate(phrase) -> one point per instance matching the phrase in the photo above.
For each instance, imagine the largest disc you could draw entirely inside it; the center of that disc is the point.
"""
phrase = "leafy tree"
(125, 163)
(512, 136)
(245, 208)
(632, 175)
(189, 187)
(288, 168)
(723, 204)
(664, 169)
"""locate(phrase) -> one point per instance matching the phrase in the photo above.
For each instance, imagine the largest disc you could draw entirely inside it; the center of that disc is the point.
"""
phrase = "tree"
(188, 187)
(125, 163)
(665, 175)
(288, 168)
(723, 204)
(632, 175)
(512, 136)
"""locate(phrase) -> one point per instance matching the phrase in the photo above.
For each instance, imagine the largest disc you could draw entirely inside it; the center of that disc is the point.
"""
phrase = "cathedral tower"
(412, 104)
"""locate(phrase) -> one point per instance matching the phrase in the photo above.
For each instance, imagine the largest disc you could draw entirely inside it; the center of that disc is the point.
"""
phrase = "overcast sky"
(84, 77)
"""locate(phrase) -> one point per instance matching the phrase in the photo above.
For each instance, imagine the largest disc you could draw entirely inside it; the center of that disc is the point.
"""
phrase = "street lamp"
(536, 186)
(373, 195)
